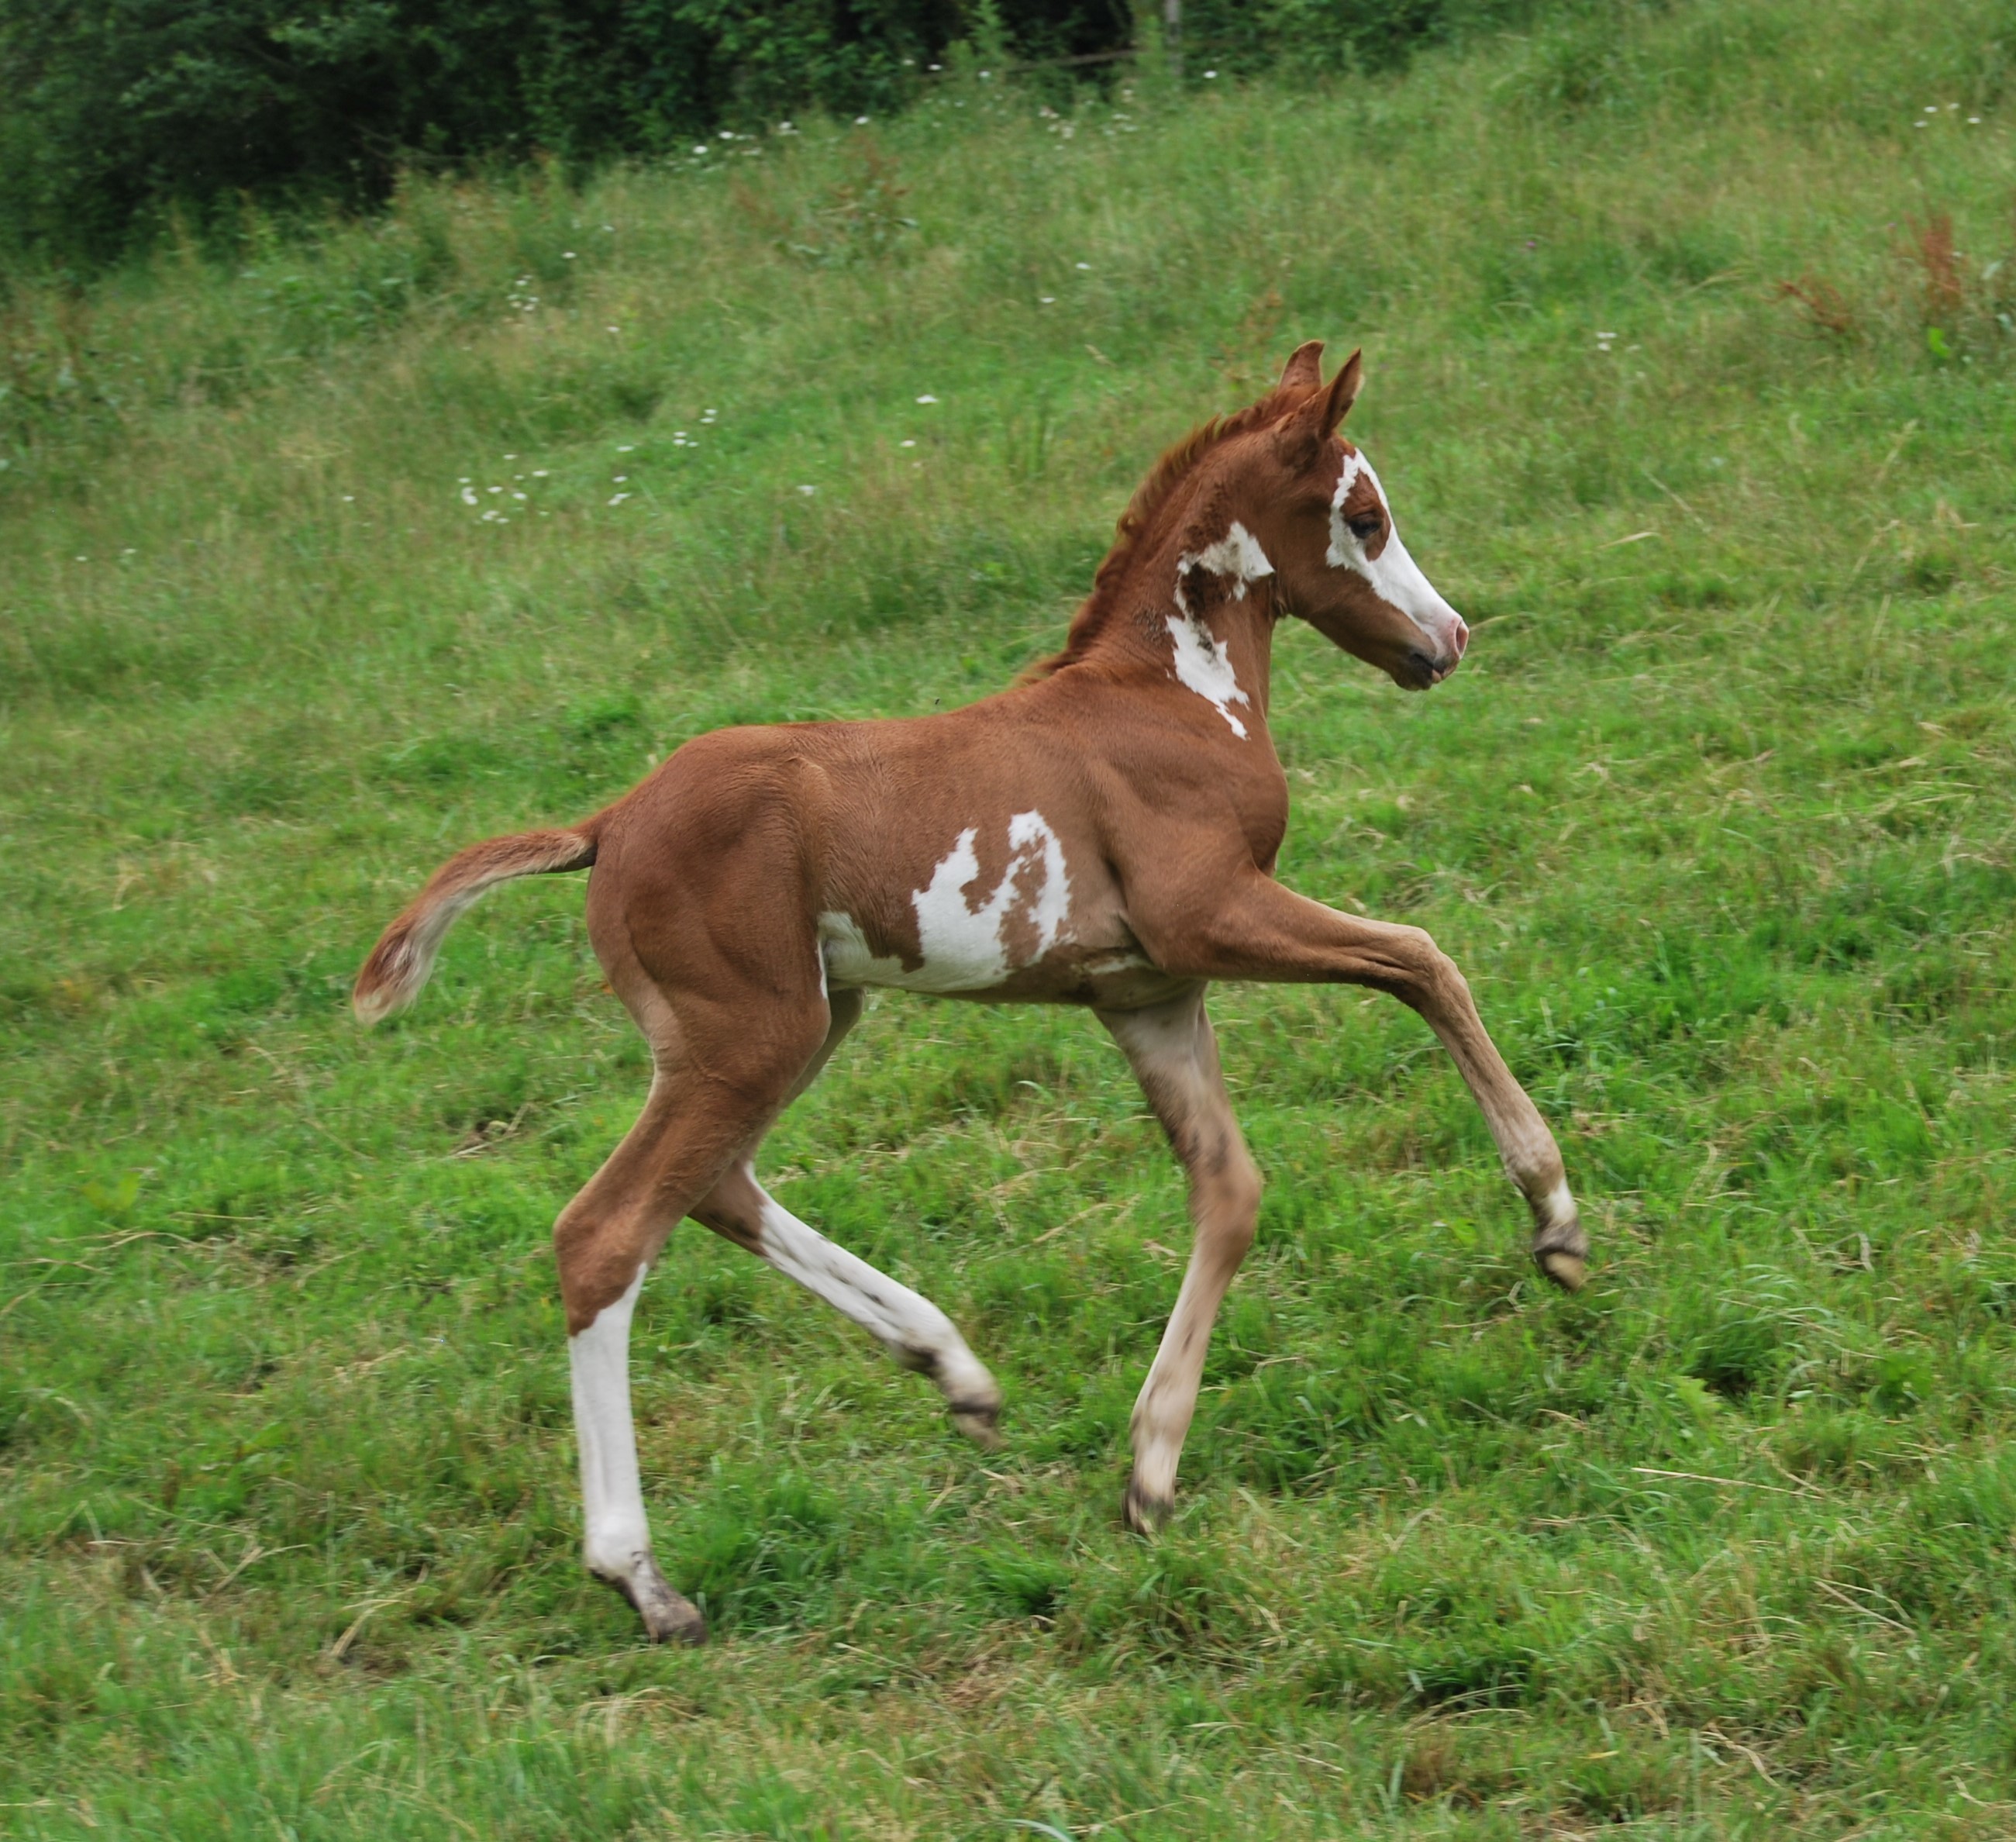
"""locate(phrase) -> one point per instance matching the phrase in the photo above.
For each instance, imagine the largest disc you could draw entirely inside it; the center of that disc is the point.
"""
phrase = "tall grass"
(1717, 817)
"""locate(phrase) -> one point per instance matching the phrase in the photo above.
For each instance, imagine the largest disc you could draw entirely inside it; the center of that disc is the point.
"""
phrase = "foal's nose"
(1460, 638)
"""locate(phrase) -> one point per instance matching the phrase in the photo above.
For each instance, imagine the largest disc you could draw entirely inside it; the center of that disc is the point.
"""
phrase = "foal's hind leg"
(606, 1238)
(1175, 1056)
(912, 1329)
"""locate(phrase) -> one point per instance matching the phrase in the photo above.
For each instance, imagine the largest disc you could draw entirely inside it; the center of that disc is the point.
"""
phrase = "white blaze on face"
(962, 945)
(1203, 664)
(1395, 577)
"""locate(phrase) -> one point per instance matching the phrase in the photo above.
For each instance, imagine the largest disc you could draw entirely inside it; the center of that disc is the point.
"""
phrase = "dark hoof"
(1569, 1271)
(669, 1617)
(979, 1420)
(1143, 1513)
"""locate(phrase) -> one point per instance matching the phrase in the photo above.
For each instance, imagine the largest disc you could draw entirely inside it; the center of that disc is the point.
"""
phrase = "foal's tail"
(405, 955)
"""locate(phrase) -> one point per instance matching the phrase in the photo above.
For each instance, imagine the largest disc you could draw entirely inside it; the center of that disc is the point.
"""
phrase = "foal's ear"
(1344, 391)
(1307, 428)
(1303, 369)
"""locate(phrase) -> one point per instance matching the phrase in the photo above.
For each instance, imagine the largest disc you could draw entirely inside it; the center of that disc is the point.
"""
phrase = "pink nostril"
(1462, 635)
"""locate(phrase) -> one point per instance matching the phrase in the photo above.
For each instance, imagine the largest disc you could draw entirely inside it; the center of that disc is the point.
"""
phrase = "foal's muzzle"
(1432, 667)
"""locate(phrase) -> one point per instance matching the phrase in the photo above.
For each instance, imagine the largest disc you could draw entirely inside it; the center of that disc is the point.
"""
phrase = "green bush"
(112, 118)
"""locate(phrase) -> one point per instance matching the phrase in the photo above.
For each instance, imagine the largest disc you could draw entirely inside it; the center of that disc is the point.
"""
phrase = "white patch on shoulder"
(1202, 664)
(962, 945)
(1395, 577)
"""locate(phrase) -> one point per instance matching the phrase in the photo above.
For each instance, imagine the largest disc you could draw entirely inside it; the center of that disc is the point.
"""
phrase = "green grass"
(1717, 816)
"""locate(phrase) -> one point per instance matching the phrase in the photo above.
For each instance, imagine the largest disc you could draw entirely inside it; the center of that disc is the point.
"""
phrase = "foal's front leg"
(1257, 929)
(1175, 1057)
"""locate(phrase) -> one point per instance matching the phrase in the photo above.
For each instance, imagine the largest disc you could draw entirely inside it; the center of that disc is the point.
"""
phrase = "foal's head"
(1323, 519)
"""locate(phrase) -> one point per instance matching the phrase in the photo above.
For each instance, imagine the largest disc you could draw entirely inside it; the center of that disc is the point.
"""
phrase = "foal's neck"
(1191, 599)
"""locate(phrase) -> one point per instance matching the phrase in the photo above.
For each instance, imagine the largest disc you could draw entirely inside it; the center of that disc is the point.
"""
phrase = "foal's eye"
(1365, 526)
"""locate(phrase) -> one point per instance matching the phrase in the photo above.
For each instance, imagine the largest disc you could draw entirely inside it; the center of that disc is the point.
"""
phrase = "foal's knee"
(598, 1262)
(1432, 979)
(1228, 1200)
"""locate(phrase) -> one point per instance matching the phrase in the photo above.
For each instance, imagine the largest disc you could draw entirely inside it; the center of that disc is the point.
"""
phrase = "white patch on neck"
(1395, 577)
(961, 946)
(1202, 662)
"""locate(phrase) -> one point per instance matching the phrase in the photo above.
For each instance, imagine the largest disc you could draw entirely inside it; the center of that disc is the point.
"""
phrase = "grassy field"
(322, 561)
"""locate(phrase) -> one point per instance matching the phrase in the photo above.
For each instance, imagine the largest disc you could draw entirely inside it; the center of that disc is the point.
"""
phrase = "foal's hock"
(1104, 834)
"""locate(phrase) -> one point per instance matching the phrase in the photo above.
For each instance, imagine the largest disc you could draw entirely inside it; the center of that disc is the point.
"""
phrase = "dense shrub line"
(112, 113)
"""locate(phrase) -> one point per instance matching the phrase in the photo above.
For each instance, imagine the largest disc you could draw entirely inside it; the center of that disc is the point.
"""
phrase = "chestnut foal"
(1103, 835)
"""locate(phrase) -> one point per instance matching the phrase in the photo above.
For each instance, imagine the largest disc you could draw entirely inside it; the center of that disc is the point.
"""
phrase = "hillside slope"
(1689, 344)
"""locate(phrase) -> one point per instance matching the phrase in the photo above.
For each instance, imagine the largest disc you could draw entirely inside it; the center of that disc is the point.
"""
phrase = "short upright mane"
(1176, 466)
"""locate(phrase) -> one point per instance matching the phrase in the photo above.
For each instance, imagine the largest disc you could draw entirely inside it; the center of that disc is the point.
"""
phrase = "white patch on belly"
(1202, 663)
(845, 953)
(1395, 577)
(961, 946)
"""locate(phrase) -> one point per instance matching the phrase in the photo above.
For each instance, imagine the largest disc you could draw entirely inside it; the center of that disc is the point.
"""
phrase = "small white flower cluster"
(1605, 340)
(496, 514)
(1118, 122)
(753, 151)
(1932, 109)
(708, 419)
(520, 295)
